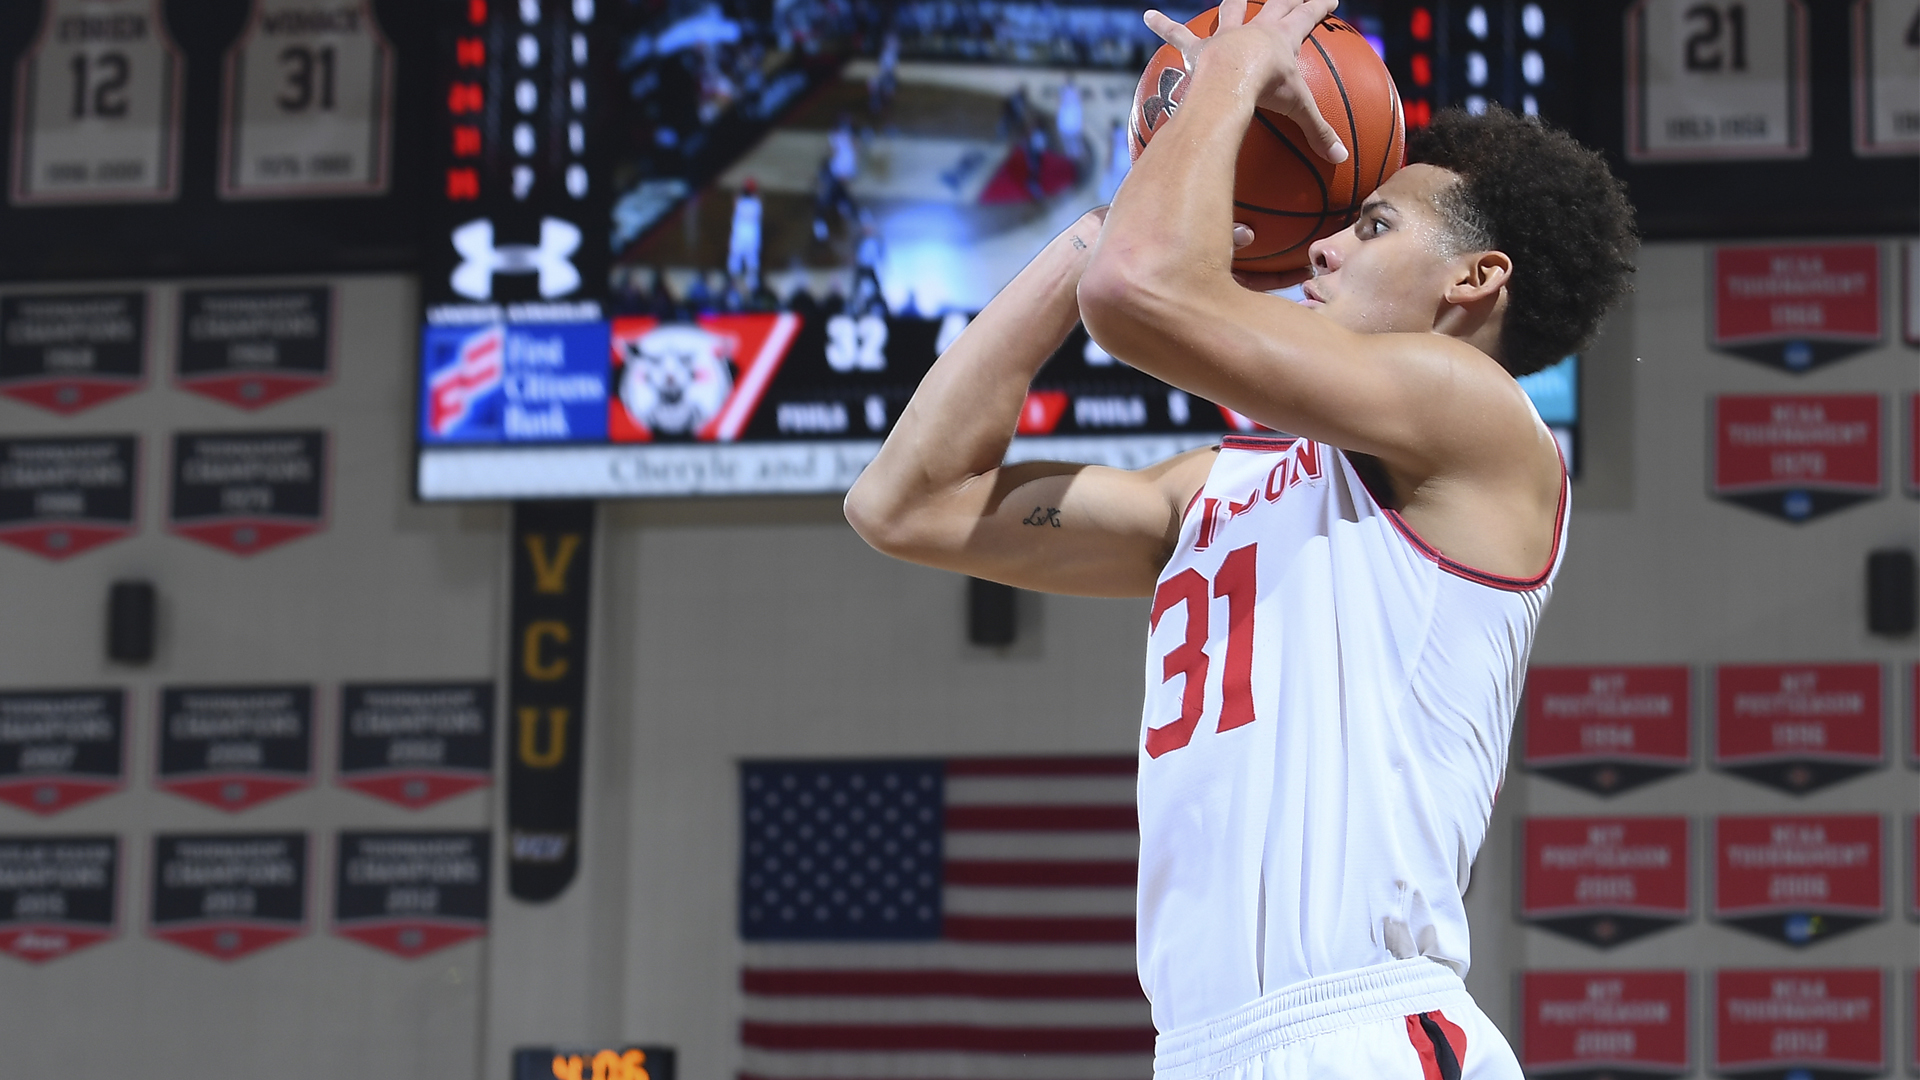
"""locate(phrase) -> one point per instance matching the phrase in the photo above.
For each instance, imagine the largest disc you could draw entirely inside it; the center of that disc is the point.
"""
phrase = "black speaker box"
(1892, 593)
(989, 612)
(130, 622)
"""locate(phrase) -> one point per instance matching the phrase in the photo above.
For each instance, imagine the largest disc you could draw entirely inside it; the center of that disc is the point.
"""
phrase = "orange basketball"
(1287, 194)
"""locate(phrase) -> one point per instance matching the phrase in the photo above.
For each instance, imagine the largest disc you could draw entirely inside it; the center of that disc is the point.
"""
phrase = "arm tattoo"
(1043, 515)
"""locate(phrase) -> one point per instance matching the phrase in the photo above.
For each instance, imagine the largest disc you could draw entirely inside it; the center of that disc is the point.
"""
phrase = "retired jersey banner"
(96, 107)
(71, 351)
(1910, 292)
(252, 347)
(1886, 78)
(1798, 880)
(1605, 1025)
(411, 893)
(1796, 307)
(60, 497)
(60, 748)
(1796, 457)
(234, 747)
(245, 492)
(308, 103)
(1605, 881)
(58, 894)
(526, 382)
(1798, 727)
(1783, 1025)
(1608, 729)
(229, 895)
(414, 744)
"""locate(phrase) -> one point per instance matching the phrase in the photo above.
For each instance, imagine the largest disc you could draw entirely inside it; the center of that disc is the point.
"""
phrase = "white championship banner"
(1716, 79)
(97, 105)
(308, 102)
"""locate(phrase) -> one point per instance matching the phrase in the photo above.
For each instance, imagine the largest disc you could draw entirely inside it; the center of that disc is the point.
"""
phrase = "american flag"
(967, 919)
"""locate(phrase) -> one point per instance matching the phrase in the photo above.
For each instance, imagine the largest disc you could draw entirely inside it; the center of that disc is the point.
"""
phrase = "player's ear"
(1478, 277)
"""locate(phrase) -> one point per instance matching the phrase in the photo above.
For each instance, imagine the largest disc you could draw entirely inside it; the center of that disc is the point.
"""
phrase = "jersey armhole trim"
(1474, 574)
(1264, 443)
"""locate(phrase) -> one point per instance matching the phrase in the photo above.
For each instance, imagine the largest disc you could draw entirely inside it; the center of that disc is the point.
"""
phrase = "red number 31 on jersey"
(1235, 581)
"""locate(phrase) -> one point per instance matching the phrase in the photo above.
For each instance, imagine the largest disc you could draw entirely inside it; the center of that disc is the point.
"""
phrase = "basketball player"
(1340, 621)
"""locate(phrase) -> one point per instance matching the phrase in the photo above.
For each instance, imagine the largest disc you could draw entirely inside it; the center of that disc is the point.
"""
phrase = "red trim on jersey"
(1474, 574)
(1441, 1044)
(1267, 443)
(1197, 492)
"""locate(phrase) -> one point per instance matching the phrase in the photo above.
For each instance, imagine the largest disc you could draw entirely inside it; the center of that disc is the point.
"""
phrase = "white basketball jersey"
(1328, 706)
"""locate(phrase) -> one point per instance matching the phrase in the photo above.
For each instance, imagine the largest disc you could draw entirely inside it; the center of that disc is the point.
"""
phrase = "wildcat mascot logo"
(697, 381)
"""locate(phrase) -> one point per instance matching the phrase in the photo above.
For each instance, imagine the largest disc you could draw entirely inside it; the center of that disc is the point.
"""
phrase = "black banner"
(594, 1063)
(252, 347)
(229, 895)
(411, 893)
(233, 747)
(57, 894)
(60, 497)
(60, 748)
(416, 743)
(245, 492)
(547, 694)
(71, 351)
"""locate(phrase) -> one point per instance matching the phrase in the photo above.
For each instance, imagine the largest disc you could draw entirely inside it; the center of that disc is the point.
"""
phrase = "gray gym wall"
(738, 628)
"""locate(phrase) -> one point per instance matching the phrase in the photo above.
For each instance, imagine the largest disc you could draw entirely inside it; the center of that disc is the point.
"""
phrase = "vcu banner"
(546, 694)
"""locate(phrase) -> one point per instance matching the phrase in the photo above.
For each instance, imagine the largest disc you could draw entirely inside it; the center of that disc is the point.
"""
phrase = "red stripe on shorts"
(1441, 1056)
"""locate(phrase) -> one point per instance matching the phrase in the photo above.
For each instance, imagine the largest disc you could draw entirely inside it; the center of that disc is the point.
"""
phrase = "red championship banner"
(1798, 727)
(1774, 1025)
(1798, 880)
(1608, 729)
(1913, 1022)
(1796, 456)
(1605, 881)
(1913, 715)
(1910, 292)
(1604, 1025)
(1796, 307)
(1913, 870)
(1913, 445)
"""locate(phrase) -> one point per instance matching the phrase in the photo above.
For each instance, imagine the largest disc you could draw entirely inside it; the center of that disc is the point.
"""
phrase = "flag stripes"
(1031, 976)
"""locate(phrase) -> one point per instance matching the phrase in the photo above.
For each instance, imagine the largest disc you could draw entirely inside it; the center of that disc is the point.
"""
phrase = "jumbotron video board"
(711, 249)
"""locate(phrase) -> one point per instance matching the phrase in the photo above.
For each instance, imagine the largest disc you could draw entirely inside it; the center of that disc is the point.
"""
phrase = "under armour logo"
(1159, 108)
(550, 258)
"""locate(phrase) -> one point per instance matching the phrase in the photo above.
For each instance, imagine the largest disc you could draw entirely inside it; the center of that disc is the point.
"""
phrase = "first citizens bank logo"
(514, 383)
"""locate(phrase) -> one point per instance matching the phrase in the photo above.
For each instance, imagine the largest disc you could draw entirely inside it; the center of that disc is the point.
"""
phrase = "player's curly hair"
(1552, 205)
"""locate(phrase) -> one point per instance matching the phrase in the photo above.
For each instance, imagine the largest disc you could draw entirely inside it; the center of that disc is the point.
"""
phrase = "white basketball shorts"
(1403, 1020)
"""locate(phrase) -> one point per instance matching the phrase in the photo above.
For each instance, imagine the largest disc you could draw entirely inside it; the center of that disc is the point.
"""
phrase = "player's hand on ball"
(1271, 40)
(1261, 281)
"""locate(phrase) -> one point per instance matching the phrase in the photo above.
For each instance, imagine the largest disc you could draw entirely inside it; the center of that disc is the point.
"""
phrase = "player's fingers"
(1172, 32)
(1242, 236)
(1301, 18)
(1305, 112)
(1232, 13)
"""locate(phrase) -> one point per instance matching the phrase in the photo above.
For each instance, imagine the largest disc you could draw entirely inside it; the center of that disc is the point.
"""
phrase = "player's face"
(1388, 272)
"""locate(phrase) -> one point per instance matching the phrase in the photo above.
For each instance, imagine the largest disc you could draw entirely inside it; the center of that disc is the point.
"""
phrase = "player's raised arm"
(938, 495)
